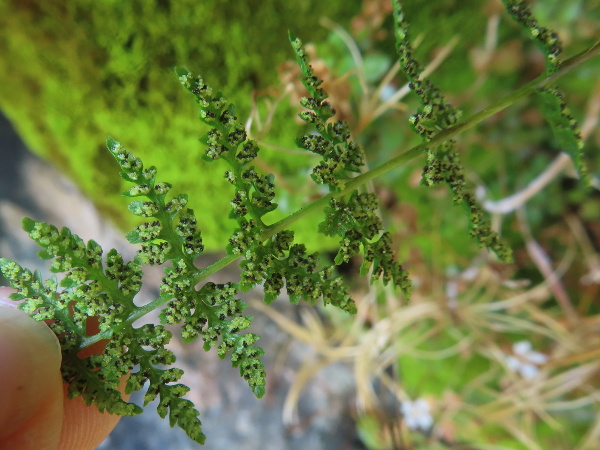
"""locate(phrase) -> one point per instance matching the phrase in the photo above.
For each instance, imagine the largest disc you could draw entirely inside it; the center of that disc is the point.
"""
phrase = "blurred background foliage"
(74, 72)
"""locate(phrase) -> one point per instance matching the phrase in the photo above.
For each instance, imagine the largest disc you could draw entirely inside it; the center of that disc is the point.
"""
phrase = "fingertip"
(84, 427)
(30, 383)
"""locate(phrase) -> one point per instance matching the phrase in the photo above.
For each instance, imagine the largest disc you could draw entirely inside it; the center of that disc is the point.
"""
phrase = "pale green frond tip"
(258, 391)
(181, 71)
(28, 224)
(112, 143)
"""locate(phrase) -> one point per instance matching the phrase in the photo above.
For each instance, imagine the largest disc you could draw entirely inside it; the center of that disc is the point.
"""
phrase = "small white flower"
(417, 415)
(525, 360)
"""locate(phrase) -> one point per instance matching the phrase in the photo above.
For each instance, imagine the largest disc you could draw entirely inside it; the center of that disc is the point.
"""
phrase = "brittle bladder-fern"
(99, 284)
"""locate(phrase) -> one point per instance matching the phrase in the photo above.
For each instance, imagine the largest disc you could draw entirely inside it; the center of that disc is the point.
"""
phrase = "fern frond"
(211, 312)
(563, 125)
(341, 157)
(93, 288)
(565, 129)
(443, 161)
(93, 301)
(277, 261)
(354, 219)
(547, 39)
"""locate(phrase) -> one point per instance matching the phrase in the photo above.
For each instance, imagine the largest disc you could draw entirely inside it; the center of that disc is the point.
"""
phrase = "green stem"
(444, 135)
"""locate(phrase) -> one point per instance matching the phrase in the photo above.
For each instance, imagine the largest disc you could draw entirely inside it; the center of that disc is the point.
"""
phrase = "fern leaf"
(443, 162)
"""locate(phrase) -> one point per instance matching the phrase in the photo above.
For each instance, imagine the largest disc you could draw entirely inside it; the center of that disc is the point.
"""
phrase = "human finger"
(31, 388)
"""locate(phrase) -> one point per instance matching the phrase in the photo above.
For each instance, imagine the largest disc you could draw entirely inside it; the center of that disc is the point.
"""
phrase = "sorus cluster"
(245, 237)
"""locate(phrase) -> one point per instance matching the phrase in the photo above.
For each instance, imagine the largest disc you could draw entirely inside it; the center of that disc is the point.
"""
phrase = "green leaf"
(565, 128)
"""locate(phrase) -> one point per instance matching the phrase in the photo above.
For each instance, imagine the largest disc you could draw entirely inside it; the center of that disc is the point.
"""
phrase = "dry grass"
(480, 319)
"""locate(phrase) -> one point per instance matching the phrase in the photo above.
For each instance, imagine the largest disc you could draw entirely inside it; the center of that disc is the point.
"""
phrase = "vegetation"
(492, 348)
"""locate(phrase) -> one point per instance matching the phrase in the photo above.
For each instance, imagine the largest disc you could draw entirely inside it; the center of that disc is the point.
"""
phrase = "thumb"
(31, 388)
